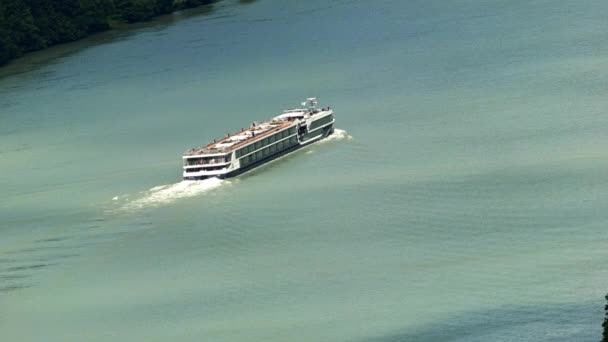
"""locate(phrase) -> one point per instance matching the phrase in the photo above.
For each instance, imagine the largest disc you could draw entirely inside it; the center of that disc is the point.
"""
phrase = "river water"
(463, 198)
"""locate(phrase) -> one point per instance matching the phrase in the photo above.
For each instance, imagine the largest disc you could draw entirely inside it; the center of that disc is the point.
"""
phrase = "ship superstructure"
(260, 143)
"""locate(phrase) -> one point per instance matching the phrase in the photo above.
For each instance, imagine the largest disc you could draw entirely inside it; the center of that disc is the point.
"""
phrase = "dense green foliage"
(28, 25)
(605, 324)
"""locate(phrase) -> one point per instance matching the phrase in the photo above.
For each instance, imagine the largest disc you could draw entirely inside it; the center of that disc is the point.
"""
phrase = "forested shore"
(30, 25)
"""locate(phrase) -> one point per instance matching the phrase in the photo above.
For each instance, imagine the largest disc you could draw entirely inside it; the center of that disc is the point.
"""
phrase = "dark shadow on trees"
(39, 58)
(605, 323)
(31, 25)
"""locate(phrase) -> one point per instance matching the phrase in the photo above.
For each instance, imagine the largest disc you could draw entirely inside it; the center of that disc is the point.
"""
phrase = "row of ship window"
(208, 160)
(263, 142)
(321, 122)
(268, 151)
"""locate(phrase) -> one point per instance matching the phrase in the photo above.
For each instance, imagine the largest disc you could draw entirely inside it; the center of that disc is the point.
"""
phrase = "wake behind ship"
(260, 143)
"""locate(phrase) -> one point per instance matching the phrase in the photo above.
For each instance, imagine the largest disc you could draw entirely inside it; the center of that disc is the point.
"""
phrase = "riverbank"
(27, 26)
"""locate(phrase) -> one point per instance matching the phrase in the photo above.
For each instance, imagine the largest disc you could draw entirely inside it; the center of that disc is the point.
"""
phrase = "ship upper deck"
(230, 142)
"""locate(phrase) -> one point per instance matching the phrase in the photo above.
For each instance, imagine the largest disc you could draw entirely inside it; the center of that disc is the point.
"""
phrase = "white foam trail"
(165, 194)
(339, 134)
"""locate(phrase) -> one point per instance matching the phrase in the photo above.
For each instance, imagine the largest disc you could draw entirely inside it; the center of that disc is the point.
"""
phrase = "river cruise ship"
(260, 143)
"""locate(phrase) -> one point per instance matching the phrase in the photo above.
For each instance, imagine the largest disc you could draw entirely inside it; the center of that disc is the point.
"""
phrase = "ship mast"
(312, 102)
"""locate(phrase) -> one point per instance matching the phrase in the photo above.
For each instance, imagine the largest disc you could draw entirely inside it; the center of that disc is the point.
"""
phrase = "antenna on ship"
(312, 101)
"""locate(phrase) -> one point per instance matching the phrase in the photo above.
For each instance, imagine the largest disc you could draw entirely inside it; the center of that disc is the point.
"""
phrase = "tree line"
(605, 323)
(29, 25)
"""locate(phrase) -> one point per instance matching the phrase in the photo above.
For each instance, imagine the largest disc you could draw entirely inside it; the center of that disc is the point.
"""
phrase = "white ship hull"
(249, 149)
